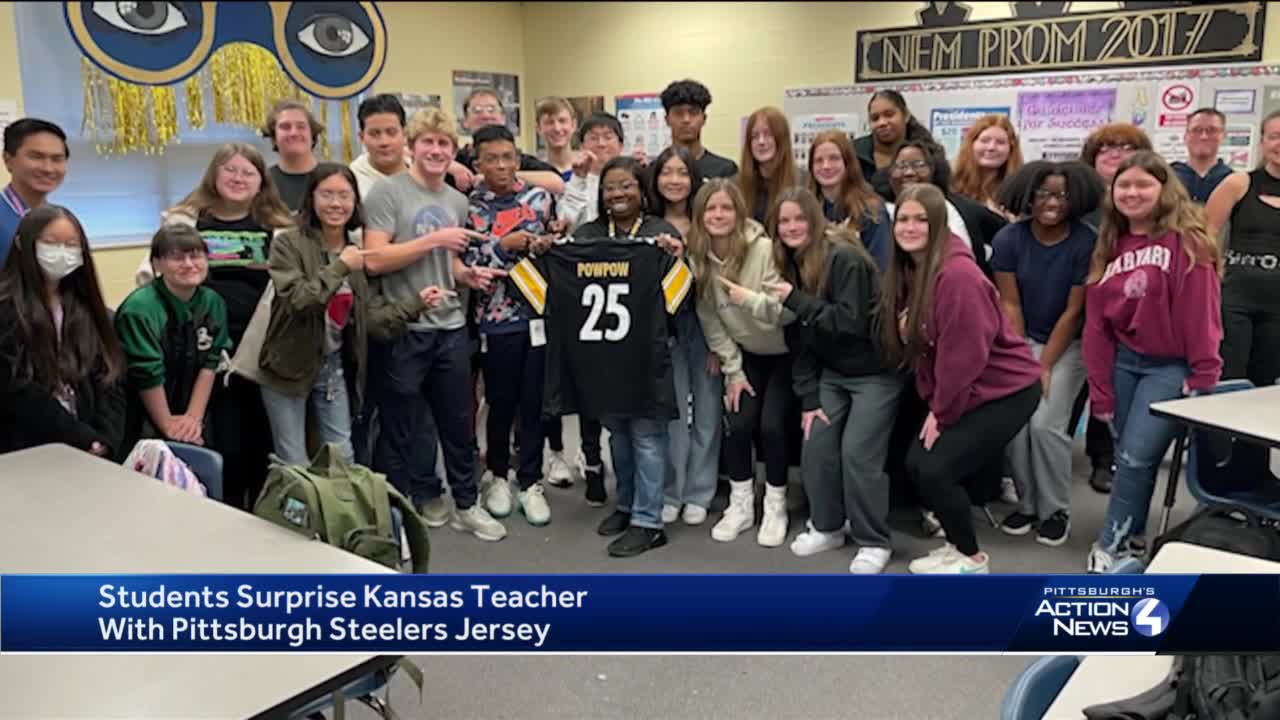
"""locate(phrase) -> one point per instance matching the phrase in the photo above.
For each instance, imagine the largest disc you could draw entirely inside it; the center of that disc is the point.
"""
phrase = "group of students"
(905, 318)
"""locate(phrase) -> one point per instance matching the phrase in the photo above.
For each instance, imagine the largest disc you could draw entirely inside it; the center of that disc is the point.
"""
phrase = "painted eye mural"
(150, 69)
(332, 50)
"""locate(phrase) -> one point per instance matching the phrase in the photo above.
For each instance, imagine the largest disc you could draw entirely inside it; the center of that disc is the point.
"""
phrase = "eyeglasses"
(905, 165)
(486, 109)
(1127, 148)
(1043, 194)
(1205, 131)
(177, 256)
(335, 195)
(624, 187)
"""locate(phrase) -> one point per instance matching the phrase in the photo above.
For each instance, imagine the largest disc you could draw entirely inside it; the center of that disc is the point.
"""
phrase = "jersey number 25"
(600, 302)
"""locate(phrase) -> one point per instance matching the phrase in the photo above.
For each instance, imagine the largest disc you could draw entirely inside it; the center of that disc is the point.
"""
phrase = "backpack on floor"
(1230, 528)
(154, 458)
(347, 506)
(1205, 687)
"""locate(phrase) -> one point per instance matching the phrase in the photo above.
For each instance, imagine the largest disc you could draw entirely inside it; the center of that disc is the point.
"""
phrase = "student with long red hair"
(1151, 334)
(989, 154)
(767, 167)
(835, 178)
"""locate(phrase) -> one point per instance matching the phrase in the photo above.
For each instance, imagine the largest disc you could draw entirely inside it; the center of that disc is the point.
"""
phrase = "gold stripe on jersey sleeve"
(675, 286)
(531, 284)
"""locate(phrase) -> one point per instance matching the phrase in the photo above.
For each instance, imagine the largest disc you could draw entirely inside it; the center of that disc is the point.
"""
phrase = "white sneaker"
(741, 513)
(949, 561)
(812, 542)
(1008, 491)
(477, 521)
(1100, 561)
(495, 493)
(931, 525)
(694, 515)
(670, 513)
(558, 472)
(870, 561)
(435, 513)
(533, 505)
(773, 523)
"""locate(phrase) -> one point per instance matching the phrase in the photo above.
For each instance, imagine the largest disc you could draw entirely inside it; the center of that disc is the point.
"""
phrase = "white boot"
(773, 524)
(741, 513)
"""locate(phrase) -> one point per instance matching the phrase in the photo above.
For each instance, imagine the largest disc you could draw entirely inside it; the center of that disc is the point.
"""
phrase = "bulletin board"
(1054, 112)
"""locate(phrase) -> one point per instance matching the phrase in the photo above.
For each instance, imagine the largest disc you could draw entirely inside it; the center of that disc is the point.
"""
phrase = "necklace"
(635, 228)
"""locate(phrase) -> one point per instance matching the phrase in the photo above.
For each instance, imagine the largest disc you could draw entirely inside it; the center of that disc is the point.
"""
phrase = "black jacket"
(838, 329)
(30, 415)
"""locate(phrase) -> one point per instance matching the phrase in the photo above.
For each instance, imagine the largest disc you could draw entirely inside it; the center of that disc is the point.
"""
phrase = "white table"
(1104, 678)
(1250, 414)
(64, 511)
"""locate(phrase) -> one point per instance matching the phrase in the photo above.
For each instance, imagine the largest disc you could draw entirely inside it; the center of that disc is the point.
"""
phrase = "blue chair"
(205, 463)
(1222, 470)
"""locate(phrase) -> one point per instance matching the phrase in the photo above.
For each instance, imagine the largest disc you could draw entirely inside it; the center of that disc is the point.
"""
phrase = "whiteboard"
(1053, 112)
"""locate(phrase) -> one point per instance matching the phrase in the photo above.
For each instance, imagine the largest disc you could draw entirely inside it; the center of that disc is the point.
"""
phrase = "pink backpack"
(154, 458)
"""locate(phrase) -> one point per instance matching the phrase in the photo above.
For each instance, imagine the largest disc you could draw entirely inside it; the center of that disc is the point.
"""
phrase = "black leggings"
(589, 429)
(1250, 340)
(962, 453)
(768, 412)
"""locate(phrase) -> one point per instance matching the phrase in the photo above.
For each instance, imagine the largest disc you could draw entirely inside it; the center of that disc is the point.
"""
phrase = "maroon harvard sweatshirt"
(974, 356)
(1154, 302)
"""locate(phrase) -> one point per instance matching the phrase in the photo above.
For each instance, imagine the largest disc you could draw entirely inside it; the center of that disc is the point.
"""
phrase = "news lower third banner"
(424, 614)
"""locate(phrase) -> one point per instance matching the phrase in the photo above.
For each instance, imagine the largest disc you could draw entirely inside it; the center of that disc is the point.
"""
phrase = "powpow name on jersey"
(604, 269)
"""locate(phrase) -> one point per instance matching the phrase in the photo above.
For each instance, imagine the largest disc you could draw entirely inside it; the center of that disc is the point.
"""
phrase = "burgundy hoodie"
(974, 356)
(1149, 302)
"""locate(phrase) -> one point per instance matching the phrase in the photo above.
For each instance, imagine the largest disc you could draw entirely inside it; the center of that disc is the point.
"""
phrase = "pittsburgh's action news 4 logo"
(1103, 611)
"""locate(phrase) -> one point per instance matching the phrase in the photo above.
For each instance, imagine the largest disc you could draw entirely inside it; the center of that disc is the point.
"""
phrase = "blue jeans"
(328, 400)
(695, 436)
(428, 375)
(639, 447)
(1141, 440)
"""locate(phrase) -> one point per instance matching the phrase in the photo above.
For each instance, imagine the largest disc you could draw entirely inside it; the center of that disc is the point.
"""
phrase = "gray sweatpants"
(1040, 454)
(843, 462)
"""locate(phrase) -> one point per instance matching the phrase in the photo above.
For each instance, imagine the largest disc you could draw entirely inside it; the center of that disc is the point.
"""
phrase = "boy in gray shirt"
(413, 230)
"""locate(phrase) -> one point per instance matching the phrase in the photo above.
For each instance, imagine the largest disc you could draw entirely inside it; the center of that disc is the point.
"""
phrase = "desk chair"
(1222, 470)
(205, 463)
(1035, 688)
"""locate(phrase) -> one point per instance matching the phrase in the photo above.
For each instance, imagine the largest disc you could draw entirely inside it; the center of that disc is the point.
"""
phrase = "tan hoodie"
(756, 325)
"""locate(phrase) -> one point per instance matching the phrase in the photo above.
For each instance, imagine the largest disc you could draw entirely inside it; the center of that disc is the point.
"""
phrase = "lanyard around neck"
(635, 228)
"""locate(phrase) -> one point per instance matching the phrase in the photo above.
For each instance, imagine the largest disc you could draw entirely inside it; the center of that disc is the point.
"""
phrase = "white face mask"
(59, 261)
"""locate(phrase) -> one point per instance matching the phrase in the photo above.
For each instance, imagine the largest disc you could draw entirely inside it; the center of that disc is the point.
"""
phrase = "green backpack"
(347, 506)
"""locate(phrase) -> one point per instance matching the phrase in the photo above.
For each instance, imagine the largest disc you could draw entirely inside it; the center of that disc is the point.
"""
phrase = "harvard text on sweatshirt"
(1154, 302)
(973, 356)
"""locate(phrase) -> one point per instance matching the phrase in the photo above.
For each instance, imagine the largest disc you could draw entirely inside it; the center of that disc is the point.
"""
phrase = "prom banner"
(619, 614)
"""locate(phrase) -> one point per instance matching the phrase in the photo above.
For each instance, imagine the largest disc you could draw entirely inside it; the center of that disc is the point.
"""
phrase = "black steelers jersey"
(606, 305)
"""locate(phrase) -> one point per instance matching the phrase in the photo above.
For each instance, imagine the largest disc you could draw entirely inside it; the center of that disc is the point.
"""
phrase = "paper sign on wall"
(643, 122)
(1053, 124)
(806, 127)
(949, 125)
(1175, 101)
(1237, 147)
(1169, 143)
(1235, 102)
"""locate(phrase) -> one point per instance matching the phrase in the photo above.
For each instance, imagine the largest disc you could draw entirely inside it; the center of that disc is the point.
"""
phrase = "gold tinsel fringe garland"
(242, 82)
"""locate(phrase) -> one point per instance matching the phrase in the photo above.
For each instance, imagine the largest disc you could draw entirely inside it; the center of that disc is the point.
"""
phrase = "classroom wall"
(746, 53)
(427, 42)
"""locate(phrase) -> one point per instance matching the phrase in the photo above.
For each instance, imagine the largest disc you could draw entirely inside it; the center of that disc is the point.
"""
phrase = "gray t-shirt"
(407, 210)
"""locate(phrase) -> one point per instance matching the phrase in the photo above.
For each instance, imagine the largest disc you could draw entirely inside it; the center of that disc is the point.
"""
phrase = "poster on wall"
(413, 102)
(508, 87)
(583, 106)
(1237, 147)
(949, 124)
(643, 122)
(806, 127)
(1053, 124)
(1176, 101)
(1170, 144)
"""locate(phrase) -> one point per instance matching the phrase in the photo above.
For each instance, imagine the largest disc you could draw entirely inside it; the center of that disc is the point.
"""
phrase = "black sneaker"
(596, 494)
(1054, 530)
(616, 523)
(1100, 479)
(637, 540)
(1017, 523)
